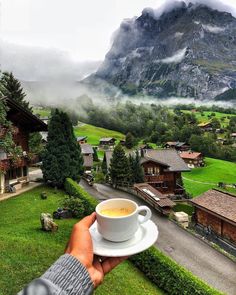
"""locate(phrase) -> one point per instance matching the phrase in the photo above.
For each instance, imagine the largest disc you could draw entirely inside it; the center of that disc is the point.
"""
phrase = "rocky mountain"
(189, 51)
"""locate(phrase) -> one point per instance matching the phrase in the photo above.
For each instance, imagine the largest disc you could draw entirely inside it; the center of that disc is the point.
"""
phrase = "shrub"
(100, 177)
(169, 276)
(75, 205)
(74, 189)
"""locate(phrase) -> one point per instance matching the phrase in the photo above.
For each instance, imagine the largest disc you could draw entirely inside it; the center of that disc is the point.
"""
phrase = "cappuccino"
(116, 212)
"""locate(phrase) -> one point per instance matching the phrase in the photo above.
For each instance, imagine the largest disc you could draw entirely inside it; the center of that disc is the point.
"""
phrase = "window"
(156, 170)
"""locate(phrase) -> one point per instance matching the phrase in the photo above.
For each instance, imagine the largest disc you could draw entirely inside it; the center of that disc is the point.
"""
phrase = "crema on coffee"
(116, 212)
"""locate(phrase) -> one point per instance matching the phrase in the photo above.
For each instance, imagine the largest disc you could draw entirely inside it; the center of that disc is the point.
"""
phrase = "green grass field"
(26, 251)
(95, 133)
(42, 112)
(202, 179)
(224, 118)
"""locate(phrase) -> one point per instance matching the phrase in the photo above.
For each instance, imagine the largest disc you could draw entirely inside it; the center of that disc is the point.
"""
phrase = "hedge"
(74, 189)
(170, 276)
(159, 268)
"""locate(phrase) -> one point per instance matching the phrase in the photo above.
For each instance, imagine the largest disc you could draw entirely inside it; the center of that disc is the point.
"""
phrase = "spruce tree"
(119, 168)
(11, 87)
(129, 140)
(95, 155)
(137, 173)
(62, 157)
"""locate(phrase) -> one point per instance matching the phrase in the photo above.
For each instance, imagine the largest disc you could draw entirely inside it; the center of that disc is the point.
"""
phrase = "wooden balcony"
(179, 190)
(154, 178)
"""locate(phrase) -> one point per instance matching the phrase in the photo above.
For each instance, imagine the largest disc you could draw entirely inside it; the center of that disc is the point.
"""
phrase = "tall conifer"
(62, 157)
(119, 168)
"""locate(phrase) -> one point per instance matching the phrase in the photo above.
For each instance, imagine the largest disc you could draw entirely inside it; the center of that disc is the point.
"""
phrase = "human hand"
(81, 246)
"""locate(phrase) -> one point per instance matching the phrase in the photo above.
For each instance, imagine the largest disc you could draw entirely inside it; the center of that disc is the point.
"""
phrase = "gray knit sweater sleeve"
(67, 276)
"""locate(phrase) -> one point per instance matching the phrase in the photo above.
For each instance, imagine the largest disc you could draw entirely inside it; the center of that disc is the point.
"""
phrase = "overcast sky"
(81, 27)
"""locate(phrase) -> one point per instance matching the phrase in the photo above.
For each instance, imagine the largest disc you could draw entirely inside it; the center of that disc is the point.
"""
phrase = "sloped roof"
(79, 138)
(163, 200)
(20, 116)
(166, 157)
(190, 155)
(107, 139)
(86, 148)
(219, 203)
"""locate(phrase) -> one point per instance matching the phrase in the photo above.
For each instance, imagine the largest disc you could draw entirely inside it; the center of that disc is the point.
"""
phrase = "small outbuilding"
(107, 141)
(192, 159)
(216, 211)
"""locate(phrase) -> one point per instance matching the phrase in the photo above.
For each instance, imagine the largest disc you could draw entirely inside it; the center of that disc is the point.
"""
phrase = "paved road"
(189, 251)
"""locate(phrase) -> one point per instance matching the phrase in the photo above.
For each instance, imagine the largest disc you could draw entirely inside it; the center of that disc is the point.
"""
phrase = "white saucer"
(144, 238)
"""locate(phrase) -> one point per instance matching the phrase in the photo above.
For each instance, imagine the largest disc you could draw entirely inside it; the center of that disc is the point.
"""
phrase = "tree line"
(159, 124)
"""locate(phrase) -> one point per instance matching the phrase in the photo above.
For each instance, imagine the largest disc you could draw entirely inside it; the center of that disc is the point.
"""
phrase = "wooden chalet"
(24, 123)
(177, 145)
(162, 170)
(155, 198)
(192, 159)
(107, 142)
(216, 212)
(87, 152)
(206, 127)
(82, 139)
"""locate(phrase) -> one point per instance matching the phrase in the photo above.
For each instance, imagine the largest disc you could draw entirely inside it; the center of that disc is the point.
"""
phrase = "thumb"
(88, 220)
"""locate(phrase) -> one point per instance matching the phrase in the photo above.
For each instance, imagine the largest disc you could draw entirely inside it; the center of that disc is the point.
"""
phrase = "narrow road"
(192, 253)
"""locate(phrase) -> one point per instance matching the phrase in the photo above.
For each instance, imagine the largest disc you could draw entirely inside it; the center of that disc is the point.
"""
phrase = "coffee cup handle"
(146, 217)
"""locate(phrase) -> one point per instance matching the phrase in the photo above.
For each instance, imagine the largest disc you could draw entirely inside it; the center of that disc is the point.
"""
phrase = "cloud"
(170, 5)
(175, 58)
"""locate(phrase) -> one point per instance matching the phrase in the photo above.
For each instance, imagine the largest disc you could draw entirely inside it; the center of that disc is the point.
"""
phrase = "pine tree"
(11, 87)
(119, 169)
(62, 157)
(129, 140)
(137, 173)
(95, 155)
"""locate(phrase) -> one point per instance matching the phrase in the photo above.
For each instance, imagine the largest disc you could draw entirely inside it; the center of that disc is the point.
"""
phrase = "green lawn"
(26, 251)
(42, 112)
(202, 179)
(205, 118)
(95, 133)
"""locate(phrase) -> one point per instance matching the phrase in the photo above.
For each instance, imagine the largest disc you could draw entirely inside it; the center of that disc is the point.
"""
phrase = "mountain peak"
(182, 50)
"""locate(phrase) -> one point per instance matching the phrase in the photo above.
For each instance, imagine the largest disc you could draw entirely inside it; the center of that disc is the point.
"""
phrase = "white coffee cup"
(120, 228)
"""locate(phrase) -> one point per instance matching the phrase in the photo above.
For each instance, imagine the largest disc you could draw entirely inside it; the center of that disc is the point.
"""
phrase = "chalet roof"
(107, 139)
(175, 143)
(219, 203)
(166, 157)
(190, 155)
(233, 134)
(88, 160)
(86, 148)
(163, 200)
(20, 116)
(80, 138)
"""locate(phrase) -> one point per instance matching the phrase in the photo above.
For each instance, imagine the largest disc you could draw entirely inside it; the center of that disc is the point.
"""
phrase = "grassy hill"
(204, 117)
(202, 179)
(95, 133)
(27, 251)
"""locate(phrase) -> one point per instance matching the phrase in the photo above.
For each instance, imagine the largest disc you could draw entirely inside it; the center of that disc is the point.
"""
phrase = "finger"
(88, 220)
(112, 262)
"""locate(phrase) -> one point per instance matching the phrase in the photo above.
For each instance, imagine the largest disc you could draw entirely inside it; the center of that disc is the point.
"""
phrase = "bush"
(73, 189)
(169, 276)
(100, 177)
(75, 205)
